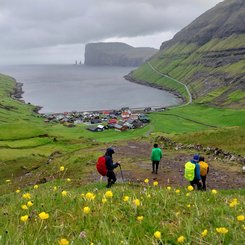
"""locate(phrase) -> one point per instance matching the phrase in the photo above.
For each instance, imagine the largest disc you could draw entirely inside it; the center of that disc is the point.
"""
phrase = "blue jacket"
(197, 170)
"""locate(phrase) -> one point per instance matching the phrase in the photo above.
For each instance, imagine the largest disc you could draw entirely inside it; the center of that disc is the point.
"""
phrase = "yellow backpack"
(203, 168)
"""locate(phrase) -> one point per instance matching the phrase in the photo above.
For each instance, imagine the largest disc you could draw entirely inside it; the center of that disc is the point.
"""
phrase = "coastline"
(17, 95)
(129, 78)
(18, 92)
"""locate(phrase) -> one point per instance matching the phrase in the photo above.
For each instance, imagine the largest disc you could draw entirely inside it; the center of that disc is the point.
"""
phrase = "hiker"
(110, 166)
(204, 169)
(197, 178)
(156, 156)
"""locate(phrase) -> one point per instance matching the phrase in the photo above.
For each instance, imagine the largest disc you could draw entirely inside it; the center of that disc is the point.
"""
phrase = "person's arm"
(152, 154)
(160, 153)
(110, 164)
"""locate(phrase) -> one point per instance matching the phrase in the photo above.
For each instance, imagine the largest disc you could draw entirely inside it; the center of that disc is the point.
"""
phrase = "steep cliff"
(208, 55)
(116, 54)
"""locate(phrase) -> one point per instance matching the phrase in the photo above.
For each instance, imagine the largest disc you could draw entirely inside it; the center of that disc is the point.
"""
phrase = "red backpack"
(101, 166)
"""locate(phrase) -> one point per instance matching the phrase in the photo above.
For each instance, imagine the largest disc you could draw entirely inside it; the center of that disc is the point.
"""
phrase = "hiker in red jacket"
(110, 166)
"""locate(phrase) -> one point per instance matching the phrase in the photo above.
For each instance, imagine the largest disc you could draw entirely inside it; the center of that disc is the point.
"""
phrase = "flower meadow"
(59, 212)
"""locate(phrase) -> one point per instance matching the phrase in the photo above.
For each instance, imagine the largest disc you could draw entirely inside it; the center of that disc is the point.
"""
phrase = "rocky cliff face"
(116, 54)
(209, 55)
(222, 21)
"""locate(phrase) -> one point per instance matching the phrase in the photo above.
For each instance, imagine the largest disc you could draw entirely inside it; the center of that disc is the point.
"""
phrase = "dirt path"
(136, 166)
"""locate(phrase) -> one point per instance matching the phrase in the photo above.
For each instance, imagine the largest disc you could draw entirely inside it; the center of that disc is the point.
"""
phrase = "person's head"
(201, 159)
(110, 151)
(196, 158)
(155, 145)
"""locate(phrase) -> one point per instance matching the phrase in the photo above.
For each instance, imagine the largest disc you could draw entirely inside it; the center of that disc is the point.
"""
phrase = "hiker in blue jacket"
(197, 178)
(110, 166)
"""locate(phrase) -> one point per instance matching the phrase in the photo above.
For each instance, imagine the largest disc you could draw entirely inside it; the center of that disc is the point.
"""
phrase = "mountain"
(208, 56)
(116, 54)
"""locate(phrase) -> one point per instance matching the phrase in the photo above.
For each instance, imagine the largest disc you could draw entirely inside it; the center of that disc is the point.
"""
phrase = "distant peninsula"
(116, 54)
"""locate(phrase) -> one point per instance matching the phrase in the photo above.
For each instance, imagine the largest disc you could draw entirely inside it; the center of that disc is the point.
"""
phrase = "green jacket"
(156, 154)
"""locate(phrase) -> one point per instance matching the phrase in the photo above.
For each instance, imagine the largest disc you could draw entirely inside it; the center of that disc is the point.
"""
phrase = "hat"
(196, 157)
(110, 151)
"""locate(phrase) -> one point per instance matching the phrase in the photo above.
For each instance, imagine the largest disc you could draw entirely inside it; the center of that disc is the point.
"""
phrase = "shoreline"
(129, 78)
(17, 95)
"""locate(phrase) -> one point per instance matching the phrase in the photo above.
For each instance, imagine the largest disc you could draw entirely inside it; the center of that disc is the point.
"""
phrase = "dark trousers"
(155, 166)
(204, 182)
(111, 178)
(196, 182)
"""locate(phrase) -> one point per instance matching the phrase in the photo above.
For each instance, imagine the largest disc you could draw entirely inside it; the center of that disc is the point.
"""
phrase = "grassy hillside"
(214, 72)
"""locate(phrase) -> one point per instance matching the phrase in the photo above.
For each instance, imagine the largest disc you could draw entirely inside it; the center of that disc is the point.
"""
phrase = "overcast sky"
(56, 31)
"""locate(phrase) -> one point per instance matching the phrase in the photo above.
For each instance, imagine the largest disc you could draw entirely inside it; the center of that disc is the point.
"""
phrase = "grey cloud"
(33, 24)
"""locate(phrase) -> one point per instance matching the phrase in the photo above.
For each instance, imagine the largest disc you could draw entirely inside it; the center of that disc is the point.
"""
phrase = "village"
(97, 121)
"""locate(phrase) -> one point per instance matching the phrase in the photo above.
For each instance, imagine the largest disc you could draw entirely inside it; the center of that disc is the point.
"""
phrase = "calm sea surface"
(60, 88)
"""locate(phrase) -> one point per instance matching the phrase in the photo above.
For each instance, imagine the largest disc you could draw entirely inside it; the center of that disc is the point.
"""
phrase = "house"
(125, 115)
(112, 121)
(94, 128)
(95, 121)
(119, 127)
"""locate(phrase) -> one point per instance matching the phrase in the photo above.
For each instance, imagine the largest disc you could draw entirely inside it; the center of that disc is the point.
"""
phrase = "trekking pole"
(121, 173)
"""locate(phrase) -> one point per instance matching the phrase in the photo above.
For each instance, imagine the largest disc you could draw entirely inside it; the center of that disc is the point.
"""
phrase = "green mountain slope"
(208, 55)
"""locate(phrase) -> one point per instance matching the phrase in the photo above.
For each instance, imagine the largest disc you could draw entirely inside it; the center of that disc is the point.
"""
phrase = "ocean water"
(64, 88)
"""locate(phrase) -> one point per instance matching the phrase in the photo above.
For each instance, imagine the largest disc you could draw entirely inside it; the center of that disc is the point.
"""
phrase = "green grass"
(112, 220)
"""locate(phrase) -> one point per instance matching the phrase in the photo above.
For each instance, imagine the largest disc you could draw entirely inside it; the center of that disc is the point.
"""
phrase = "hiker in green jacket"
(156, 155)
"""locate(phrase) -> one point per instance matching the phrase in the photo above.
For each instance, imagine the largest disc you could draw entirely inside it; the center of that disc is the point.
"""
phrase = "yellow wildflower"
(204, 233)
(24, 207)
(30, 203)
(64, 193)
(155, 183)
(26, 195)
(233, 204)
(63, 241)
(148, 196)
(7, 180)
(140, 218)
(169, 188)
(188, 194)
(188, 205)
(17, 191)
(157, 234)
(109, 194)
(240, 218)
(125, 198)
(136, 202)
(177, 191)
(222, 230)
(62, 168)
(86, 210)
(146, 181)
(214, 191)
(43, 215)
(24, 218)
(90, 196)
(190, 188)
(104, 200)
(181, 239)
(68, 180)
(55, 188)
